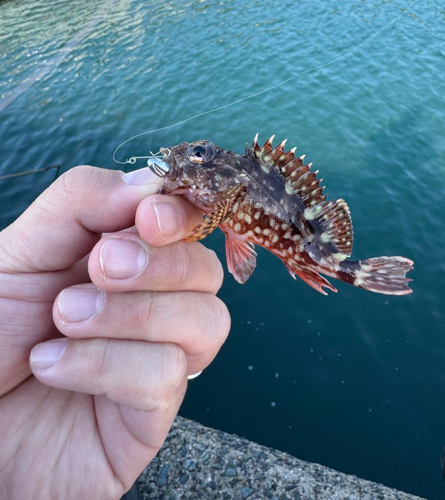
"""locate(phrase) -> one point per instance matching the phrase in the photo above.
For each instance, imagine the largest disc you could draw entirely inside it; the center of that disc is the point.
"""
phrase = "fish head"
(203, 172)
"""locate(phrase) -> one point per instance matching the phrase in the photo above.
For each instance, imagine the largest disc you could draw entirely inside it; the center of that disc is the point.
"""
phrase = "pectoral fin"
(212, 220)
(241, 258)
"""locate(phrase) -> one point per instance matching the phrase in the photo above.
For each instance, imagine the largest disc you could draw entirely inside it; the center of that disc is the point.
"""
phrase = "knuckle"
(172, 376)
(209, 269)
(101, 365)
(62, 193)
(183, 265)
(223, 320)
(217, 270)
(144, 312)
(70, 180)
(218, 321)
(174, 368)
(197, 266)
(75, 179)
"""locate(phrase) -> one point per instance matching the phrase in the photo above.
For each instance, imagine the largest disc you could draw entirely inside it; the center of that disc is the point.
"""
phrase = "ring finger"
(198, 322)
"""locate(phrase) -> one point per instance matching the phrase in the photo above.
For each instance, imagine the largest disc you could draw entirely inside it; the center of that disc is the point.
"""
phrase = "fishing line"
(20, 174)
(133, 159)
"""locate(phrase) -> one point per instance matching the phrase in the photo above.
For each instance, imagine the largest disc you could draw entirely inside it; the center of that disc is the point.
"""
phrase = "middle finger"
(123, 262)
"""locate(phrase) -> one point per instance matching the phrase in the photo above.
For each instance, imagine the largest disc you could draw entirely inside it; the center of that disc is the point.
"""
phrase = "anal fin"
(241, 258)
(310, 277)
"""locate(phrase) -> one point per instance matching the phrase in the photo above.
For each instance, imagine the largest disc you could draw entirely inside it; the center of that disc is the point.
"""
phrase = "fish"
(271, 198)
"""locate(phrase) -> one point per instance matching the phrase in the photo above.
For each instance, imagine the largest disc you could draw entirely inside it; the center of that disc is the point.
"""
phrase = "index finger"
(162, 219)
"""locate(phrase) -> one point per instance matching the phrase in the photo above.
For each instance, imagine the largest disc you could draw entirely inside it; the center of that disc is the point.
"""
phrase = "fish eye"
(200, 153)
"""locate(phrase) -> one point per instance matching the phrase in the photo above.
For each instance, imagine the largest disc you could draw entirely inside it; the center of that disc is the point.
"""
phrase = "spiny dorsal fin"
(298, 177)
(335, 219)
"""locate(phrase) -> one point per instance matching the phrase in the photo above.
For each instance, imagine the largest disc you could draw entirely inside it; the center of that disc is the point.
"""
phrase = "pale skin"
(99, 333)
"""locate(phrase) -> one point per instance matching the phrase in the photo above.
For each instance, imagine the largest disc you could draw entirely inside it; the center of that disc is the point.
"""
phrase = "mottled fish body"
(270, 197)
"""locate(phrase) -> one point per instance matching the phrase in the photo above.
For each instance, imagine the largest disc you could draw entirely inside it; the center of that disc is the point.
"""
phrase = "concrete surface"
(198, 463)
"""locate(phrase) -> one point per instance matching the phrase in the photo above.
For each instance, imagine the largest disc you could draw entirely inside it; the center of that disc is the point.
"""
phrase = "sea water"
(355, 380)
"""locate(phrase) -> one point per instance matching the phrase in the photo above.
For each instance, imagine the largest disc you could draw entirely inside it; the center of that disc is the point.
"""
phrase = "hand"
(115, 324)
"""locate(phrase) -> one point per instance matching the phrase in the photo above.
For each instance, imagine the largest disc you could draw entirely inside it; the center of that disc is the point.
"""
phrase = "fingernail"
(47, 354)
(80, 303)
(122, 258)
(169, 217)
(141, 177)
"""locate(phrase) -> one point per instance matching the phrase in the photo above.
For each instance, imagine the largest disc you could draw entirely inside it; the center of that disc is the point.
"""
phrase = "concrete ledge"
(199, 463)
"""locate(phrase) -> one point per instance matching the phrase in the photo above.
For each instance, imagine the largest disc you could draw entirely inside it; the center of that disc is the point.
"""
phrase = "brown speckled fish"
(269, 197)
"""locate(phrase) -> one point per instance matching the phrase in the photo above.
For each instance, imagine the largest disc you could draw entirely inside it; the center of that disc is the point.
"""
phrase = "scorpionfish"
(271, 198)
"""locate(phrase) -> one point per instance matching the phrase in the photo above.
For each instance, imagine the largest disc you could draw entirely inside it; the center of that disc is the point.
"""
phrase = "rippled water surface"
(354, 380)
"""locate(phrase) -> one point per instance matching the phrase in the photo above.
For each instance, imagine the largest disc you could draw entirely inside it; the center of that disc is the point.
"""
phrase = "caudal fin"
(385, 275)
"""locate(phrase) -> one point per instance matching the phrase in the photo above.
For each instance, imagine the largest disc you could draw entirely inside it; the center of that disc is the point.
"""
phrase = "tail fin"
(385, 275)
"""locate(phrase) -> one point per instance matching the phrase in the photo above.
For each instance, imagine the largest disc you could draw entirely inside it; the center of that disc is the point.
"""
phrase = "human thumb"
(66, 221)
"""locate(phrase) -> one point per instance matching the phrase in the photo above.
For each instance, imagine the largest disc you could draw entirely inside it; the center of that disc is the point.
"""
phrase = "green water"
(354, 381)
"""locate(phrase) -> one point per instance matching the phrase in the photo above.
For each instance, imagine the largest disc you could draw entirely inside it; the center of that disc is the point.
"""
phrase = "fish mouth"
(167, 168)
